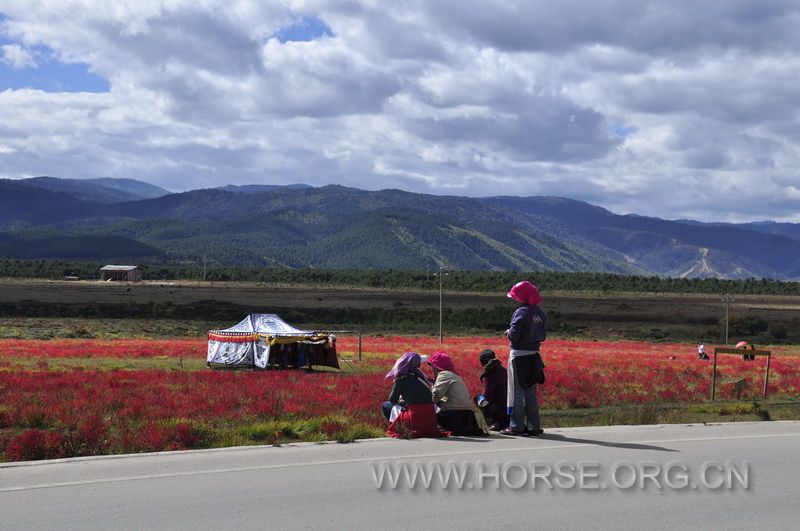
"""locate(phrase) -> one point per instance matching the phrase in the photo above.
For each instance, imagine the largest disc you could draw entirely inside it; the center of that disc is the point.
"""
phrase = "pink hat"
(525, 292)
(442, 361)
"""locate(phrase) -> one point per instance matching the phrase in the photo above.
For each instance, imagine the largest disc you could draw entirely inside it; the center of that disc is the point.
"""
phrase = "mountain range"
(338, 227)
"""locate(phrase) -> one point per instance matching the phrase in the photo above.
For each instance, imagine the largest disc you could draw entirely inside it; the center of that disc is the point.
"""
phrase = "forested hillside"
(335, 227)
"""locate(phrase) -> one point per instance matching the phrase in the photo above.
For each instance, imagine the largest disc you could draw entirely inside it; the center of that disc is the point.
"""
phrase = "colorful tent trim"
(232, 337)
(264, 340)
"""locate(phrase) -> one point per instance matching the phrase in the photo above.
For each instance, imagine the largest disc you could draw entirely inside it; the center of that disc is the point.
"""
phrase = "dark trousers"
(499, 420)
(386, 409)
(459, 422)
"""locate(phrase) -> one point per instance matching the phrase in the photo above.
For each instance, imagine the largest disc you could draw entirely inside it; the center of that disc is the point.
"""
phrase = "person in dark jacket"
(410, 386)
(525, 334)
(492, 401)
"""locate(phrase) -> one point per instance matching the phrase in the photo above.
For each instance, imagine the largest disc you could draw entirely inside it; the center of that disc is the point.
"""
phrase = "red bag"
(415, 422)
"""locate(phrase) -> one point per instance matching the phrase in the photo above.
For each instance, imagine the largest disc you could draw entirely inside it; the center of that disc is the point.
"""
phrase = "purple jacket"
(528, 328)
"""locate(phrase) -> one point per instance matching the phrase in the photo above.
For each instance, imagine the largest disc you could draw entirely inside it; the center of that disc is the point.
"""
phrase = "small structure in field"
(265, 341)
(124, 273)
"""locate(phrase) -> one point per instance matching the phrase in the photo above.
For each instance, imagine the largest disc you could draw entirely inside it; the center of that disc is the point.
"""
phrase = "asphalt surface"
(724, 476)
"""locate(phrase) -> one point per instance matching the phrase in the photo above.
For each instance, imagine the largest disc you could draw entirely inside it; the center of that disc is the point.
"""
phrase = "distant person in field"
(456, 413)
(494, 382)
(701, 351)
(525, 334)
(749, 357)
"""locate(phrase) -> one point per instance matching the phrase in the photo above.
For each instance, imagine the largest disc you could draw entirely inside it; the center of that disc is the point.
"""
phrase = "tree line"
(402, 279)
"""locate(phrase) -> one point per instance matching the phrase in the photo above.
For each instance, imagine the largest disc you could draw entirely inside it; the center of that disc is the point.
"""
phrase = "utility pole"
(441, 274)
(204, 268)
(727, 300)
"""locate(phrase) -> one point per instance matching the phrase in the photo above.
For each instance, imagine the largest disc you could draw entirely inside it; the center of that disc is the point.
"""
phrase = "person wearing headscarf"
(494, 382)
(525, 334)
(411, 391)
(456, 413)
(409, 383)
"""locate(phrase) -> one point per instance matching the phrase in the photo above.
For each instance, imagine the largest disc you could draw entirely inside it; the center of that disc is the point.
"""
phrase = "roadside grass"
(198, 434)
(327, 428)
(658, 413)
(342, 429)
(182, 433)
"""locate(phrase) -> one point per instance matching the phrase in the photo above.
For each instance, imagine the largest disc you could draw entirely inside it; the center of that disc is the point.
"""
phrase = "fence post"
(714, 377)
(740, 352)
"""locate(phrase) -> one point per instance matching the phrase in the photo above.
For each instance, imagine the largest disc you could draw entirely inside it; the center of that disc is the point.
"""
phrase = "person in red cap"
(456, 413)
(525, 334)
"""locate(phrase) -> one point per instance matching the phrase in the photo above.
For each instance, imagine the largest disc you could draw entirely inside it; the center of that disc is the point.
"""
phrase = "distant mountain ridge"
(102, 190)
(257, 188)
(671, 248)
(339, 227)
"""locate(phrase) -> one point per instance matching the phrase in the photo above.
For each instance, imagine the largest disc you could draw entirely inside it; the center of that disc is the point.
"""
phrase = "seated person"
(410, 386)
(494, 379)
(410, 390)
(455, 413)
(701, 351)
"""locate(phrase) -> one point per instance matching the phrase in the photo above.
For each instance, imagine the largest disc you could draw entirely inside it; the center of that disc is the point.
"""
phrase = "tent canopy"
(262, 339)
(266, 324)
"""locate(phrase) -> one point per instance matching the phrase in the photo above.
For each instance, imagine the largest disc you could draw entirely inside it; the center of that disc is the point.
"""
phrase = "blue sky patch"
(304, 29)
(49, 74)
(53, 76)
(621, 130)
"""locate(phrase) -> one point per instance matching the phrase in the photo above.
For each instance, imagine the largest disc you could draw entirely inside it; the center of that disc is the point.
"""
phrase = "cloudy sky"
(676, 108)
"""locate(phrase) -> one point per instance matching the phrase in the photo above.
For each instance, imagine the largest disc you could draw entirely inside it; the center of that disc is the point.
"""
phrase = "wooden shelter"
(124, 273)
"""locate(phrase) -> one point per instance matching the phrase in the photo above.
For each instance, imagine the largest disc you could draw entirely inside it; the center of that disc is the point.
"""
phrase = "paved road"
(725, 476)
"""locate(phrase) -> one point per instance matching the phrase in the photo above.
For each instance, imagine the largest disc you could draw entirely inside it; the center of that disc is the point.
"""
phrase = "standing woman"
(525, 334)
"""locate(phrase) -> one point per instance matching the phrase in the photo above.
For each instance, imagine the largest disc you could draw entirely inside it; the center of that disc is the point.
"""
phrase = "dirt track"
(614, 307)
(256, 295)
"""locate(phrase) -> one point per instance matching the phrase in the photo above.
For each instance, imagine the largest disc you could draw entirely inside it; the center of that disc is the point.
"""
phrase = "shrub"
(151, 438)
(749, 325)
(186, 435)
(88, 439)
(34, 445)
(778, 331)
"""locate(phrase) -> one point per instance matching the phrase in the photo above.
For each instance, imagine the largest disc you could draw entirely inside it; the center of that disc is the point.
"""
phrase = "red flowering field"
(63, 398)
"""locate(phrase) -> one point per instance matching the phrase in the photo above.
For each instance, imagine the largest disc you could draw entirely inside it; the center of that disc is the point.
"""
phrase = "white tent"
(262, 340)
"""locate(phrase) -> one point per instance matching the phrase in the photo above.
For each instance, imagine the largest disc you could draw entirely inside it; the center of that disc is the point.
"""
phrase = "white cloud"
(16, 56)
(674, 108)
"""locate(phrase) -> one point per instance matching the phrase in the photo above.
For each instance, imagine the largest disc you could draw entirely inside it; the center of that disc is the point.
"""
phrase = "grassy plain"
(93, 309)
